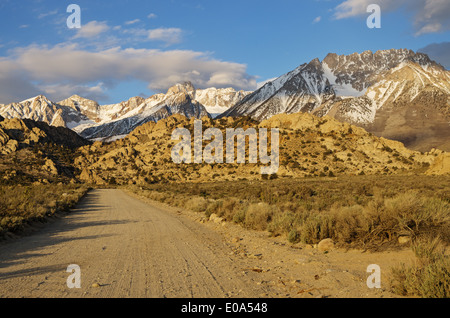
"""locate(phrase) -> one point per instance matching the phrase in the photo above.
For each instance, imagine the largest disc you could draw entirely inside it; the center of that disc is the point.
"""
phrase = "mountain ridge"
(92, 120)
(363, 89)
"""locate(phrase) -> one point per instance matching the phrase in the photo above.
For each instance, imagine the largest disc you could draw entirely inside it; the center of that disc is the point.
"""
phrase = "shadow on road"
(23, 249)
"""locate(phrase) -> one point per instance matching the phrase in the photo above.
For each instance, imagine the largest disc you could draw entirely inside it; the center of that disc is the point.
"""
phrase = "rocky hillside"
(87, 107)
(33, 151)
(396, 94)
(309, 146)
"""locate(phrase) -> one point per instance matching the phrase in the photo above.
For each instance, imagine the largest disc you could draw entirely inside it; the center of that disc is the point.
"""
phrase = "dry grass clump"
(429, 277)
(20, 205)
(197, 204)
(257, 216)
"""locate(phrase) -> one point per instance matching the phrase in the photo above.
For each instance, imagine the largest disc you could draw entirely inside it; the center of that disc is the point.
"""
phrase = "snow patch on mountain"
(343, 90)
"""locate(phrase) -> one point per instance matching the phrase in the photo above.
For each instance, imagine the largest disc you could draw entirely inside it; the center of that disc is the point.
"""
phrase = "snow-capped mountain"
(178, 100)
(92, 120)
(386, 92)
(217, 101)
(40, 108)
(181, 99)
(96, 114)
(314, 85)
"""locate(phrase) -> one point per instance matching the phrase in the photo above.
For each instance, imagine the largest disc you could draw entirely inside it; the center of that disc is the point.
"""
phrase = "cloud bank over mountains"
(62, 68)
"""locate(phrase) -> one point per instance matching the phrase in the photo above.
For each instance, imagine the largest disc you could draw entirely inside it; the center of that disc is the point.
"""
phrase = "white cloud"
(152, 16)
(47, 14)
(429, 28)
(434, 17)
(429, 16)
(132, 21)
(64, 69)
(91, 29)
(317, 20)
(167, 35)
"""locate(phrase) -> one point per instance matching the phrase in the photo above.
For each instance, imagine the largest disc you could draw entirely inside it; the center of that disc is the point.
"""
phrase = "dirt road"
(126, 247)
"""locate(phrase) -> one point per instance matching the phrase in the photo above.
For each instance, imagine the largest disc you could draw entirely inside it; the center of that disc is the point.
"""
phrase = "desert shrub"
(305, 192)
(415, 214)
(357, 210)
(258, 215)
(350, 224)
(282, 222)
(315, 227)
(197, 204)
(429, 277)
(223, 208)
(229, 208)
(293, 236)
(212, 207)
(239, 215)
(11, 223)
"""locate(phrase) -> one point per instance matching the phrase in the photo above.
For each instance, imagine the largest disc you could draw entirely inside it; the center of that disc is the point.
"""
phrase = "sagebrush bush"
(429, 276)
(258, 215)
(316, 227)
(213, 207)
(283, 222)
(197, 204)
(350, 224)
(293, 236)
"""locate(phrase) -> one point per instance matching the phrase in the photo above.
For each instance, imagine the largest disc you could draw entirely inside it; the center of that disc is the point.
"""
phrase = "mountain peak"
(75, 96)
(315, 62)
(36, 98)
(76, 101)
(185, 87)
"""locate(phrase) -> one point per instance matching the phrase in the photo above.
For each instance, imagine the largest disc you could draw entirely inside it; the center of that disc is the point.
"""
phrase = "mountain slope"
(40, 108)
(410, 104)
(183, 99)
(178, 100)
(32, 151)
(217, 101)
(397, 94)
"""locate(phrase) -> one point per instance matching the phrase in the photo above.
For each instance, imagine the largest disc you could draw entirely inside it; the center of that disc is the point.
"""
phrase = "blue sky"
(136, 47)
